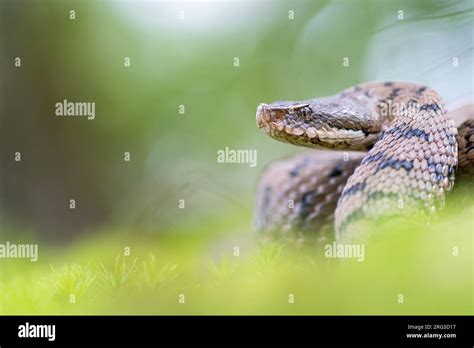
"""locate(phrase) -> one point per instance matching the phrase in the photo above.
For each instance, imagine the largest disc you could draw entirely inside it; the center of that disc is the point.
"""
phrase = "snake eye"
(293, 108)
(298, 106)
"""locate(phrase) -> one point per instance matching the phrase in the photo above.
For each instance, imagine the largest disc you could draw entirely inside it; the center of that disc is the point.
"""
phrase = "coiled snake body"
(412, 158)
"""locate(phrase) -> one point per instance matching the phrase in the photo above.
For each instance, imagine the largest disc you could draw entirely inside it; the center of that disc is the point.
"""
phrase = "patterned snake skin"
(412, 145)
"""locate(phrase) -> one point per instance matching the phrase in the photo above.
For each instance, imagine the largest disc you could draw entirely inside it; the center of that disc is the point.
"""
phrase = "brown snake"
(412, 158)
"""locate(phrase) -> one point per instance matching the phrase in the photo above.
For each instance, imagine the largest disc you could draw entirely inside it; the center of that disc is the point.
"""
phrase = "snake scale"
(399, 156)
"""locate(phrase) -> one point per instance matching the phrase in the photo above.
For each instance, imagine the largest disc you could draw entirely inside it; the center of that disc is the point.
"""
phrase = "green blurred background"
(182, 53)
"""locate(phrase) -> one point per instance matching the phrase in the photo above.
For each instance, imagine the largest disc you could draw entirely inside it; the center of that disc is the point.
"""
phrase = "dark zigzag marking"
(408, 132)
(394, 93)
(372, 158)
(388, 162)
(407, 165)
(309, 207)
(264, 208)
(421, 90)
(336, 171)
(385, 162)
(395, 164)
(354, 189)
(358, 214)
(433, 107)
(266, 199)
(296, 170)
(306, 204)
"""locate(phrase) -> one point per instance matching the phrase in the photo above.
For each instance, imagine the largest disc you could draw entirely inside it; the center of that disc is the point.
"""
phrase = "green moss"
(418, 264)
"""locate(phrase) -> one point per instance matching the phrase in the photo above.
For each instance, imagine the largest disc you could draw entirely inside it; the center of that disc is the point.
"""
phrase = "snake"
(396, 151)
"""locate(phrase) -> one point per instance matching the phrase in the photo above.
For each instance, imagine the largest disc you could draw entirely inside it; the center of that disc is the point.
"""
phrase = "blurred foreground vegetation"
(419, 264)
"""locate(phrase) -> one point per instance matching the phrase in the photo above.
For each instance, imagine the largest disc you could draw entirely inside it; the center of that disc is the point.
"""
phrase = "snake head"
(277, 114)
(326, 123)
